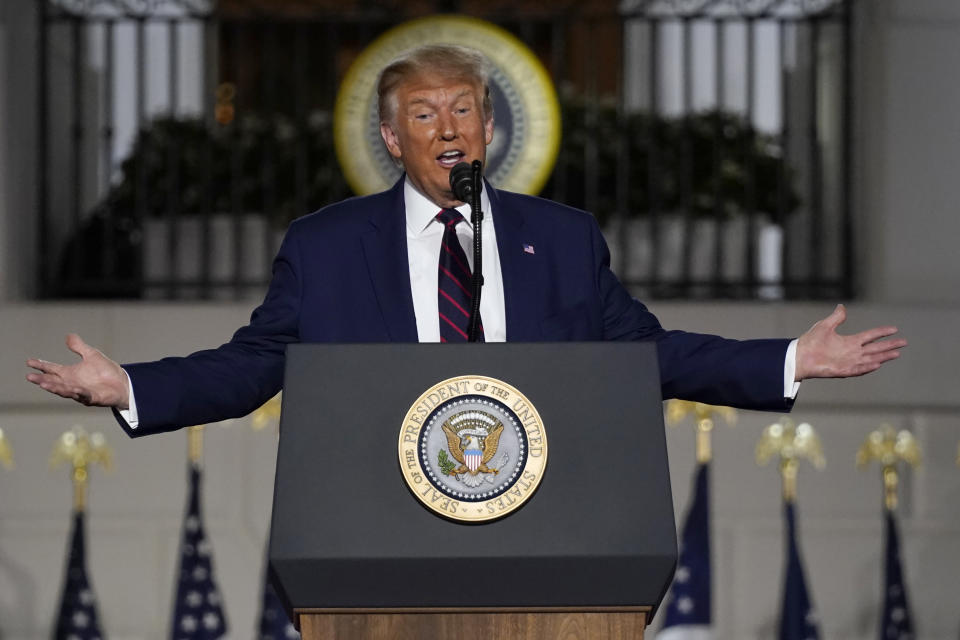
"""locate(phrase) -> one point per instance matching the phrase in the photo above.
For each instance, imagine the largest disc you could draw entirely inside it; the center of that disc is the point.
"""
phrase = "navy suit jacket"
(341, 275)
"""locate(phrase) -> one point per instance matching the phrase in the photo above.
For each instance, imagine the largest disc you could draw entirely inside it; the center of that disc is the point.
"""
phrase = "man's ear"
(488, 130)
(390, 139)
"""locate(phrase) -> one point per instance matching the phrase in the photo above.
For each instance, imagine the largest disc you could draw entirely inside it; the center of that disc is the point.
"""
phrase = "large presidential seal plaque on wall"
(472, 448)
(526, 111)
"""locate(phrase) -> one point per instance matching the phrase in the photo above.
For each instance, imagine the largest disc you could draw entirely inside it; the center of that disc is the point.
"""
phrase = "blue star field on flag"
(78, 618)
(798, 621)
(198, 608)
(896, 623)
(274, 623)
(688, 612)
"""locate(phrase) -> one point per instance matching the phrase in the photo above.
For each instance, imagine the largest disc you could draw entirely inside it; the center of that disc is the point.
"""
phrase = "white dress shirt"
(424, 237)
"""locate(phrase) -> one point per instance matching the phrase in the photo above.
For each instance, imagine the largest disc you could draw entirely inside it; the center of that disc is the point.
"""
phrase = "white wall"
(909, 150)
(135, 511)
(907, 224)
(839, 507)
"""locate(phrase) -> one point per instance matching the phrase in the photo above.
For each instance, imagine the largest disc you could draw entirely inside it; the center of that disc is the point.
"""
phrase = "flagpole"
(791, 444)
(890, 448)
(198, 610)
(273, 621)
(81, 451)
(704, 416)
(268, 414)
(195, 445)
(6, 452)
(77, 613)
(688, 607)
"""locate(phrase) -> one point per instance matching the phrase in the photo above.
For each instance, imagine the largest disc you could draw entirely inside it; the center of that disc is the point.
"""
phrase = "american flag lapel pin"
(528, 248)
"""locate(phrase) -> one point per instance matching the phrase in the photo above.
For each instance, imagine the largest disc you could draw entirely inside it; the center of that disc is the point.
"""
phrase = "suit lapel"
(385, 251)
(521, 271)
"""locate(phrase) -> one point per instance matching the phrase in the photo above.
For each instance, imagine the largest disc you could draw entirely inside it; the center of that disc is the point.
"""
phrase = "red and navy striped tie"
(455, 280)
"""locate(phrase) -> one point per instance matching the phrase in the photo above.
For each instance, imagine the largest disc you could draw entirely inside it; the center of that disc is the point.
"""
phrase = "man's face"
(438, 122)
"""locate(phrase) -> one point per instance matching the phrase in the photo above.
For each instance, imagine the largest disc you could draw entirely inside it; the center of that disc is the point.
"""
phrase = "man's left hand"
(824, 353)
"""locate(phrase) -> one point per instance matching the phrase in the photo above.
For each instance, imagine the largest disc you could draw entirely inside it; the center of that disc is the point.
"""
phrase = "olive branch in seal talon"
(446, 464)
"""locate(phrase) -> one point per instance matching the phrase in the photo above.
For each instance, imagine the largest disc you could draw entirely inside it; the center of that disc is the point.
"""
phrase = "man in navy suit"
(366, 270)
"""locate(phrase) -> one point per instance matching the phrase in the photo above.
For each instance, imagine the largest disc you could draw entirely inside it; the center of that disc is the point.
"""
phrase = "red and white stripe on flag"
(472, 457)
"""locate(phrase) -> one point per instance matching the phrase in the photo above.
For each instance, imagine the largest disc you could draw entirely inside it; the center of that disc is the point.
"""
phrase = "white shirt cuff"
(130, 413)
(790, 386)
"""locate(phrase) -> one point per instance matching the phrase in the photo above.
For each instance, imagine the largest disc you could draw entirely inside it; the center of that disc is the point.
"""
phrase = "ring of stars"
(445, 485)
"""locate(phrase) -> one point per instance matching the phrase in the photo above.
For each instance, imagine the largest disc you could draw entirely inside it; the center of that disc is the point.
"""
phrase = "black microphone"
(461, 181)
(465, 181)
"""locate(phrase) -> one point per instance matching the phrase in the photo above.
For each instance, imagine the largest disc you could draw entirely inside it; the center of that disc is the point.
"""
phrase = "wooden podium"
(494, 623)
(355, 555)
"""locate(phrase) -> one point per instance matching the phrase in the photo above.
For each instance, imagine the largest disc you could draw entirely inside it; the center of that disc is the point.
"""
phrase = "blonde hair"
(448, 60)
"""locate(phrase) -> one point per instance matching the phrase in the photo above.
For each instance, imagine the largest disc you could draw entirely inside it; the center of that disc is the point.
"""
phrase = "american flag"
(798, 621)
(78, 618)
(528, 248)
(274, 623)
(688, 603)
(198, 609)
(896, 623)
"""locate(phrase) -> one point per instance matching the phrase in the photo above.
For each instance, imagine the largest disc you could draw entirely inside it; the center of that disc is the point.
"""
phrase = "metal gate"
(711, 138)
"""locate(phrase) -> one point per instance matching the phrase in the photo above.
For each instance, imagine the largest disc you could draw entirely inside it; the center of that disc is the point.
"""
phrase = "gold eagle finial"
(268, 413)
(889, 447)
(6, 451)
(791, 443)
(81, 450)
(704, 418)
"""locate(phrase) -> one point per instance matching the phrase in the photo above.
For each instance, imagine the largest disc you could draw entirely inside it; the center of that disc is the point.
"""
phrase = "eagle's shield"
(472, 458)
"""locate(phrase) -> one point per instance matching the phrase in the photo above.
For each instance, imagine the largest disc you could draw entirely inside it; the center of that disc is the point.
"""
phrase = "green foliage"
(710, 164)
(273, 165)
(446, 464)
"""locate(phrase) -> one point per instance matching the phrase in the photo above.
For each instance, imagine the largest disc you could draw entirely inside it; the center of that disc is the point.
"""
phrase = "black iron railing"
(710, 138)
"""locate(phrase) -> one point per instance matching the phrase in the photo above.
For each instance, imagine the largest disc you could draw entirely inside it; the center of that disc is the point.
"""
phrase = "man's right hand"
(94, 381)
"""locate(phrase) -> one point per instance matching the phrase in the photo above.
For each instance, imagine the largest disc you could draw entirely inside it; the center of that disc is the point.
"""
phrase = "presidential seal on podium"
(472, 448)
(526, 110)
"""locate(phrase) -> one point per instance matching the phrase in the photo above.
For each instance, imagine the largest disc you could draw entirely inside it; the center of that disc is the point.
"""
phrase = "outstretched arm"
(824, 353)
(94, 381)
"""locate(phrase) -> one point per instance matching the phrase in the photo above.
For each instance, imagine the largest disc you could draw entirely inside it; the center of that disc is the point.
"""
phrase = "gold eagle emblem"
(472, 431)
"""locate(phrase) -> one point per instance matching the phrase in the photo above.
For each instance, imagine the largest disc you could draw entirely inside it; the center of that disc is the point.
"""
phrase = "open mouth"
(448, 159)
